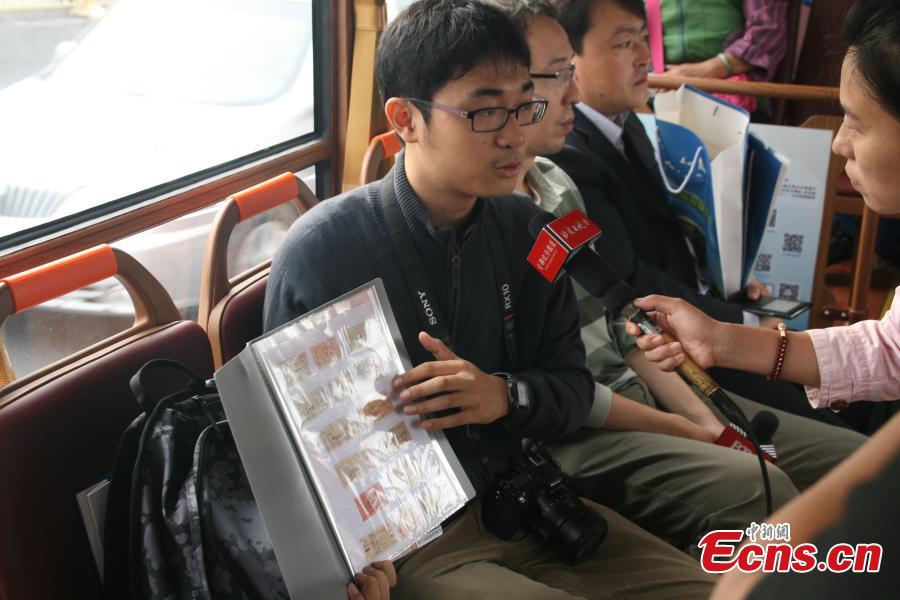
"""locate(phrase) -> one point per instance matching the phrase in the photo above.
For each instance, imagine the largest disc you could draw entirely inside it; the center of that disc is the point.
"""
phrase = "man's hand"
(682, 427)
(755, 289)
(374, 582)
(480, 398)
(695, 331)
(712, 69)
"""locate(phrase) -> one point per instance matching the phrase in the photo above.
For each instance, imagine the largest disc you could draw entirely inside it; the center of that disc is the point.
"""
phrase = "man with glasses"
(497, 350)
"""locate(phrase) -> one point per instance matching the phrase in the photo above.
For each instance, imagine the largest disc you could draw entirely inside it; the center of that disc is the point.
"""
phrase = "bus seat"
(231, 309)
(381, 147)
(60, 426)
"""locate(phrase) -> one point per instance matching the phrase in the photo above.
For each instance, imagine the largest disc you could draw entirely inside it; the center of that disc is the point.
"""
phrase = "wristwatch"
(517, 395)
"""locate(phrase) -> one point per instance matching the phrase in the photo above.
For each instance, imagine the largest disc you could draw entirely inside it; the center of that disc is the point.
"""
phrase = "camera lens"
(568, 523)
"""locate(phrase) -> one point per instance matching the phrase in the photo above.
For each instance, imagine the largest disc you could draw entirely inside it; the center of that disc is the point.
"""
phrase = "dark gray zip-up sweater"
(343, 243)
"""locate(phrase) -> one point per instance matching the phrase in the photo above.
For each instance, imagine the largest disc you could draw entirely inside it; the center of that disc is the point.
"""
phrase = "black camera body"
(534, 496)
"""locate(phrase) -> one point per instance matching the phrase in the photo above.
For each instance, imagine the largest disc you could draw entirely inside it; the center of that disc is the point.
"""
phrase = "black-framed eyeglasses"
(495, 118)
(561, 78)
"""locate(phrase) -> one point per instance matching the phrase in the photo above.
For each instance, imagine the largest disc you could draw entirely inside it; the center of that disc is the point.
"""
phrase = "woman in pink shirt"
(837, 365)
(840, 364)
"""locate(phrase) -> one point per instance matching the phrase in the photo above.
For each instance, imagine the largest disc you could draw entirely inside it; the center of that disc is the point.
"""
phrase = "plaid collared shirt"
(606, 343)
(763, 40)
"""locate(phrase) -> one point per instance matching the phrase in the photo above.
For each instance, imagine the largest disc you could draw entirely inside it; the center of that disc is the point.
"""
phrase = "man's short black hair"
(434, 42)
(575, 16)
(522, 10)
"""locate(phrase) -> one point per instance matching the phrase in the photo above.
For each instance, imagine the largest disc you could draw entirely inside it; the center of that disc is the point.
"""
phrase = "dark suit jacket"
(642, 239)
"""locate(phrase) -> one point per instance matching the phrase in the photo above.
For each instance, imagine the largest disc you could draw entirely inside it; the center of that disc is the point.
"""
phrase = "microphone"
(764, 425)
(586, 267)
(553, 253)
(736, 438)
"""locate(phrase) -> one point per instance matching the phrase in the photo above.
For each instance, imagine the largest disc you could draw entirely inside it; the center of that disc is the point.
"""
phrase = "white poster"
(787, 257)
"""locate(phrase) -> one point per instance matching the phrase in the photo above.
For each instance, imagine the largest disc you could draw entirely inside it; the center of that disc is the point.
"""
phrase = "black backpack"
(181, 519)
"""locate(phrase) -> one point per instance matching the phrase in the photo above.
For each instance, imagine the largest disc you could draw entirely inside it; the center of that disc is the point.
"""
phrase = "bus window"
(395, 6)
(147, 92)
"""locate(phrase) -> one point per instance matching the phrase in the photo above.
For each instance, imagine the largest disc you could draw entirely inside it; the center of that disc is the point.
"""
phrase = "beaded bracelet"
(782, 350)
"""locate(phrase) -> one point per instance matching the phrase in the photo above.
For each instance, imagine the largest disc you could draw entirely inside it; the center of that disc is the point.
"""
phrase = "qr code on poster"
(793, 242)
(789, 291)
(773, 218)
(764, 263)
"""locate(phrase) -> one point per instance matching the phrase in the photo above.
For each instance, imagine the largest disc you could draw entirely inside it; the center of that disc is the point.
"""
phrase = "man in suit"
(611, 160)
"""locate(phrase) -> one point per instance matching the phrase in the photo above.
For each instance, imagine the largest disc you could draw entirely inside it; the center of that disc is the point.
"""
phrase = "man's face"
(454, 160)
(611, 70)
(551, 53)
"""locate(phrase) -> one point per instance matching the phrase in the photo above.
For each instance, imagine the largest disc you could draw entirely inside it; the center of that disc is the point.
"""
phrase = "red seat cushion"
(57, 441)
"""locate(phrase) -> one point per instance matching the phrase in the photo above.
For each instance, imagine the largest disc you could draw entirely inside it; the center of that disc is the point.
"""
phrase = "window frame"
(112, 221)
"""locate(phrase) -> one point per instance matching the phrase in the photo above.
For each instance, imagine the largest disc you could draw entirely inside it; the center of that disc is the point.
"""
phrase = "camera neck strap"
(430, 316)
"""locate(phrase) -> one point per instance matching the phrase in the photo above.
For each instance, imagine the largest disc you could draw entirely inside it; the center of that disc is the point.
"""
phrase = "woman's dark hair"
(575, 16)
(433, 42)
(522, 10)
(873, 30)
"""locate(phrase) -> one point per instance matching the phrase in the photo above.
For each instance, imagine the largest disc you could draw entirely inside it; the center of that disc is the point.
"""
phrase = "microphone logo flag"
(574, 230)
(558, 240)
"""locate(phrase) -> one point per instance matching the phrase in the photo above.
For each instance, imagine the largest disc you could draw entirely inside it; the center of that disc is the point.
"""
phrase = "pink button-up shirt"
(859, 362)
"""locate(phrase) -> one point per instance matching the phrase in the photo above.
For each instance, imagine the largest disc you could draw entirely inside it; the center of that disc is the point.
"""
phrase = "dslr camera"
(533, 495)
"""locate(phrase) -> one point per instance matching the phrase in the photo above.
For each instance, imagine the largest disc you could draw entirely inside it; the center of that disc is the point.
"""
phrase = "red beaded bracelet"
(782, 350)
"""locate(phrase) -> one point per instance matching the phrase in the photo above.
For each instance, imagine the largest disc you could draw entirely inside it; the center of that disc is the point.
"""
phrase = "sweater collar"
(432, 242)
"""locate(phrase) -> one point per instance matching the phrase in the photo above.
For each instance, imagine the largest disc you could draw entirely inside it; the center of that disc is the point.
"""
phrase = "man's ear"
(401, 114)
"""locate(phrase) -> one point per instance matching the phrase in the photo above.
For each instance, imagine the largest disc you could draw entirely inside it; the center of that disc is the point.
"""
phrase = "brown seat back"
(231, 308)
(60, 426)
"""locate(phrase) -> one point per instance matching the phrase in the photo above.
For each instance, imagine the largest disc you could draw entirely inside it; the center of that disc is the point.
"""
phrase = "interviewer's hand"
(481, 398)
(695, 331)
(375, 582)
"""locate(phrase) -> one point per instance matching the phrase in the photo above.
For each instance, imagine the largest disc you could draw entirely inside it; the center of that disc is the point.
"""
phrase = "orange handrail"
(266, 195)
(35, 286)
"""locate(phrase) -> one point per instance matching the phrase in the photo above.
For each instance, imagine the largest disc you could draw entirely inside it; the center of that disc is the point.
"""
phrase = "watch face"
(522, 400)
(512, 393)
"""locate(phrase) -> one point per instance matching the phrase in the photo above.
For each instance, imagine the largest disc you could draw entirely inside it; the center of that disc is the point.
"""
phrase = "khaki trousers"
(679, 489)
(467, 561)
